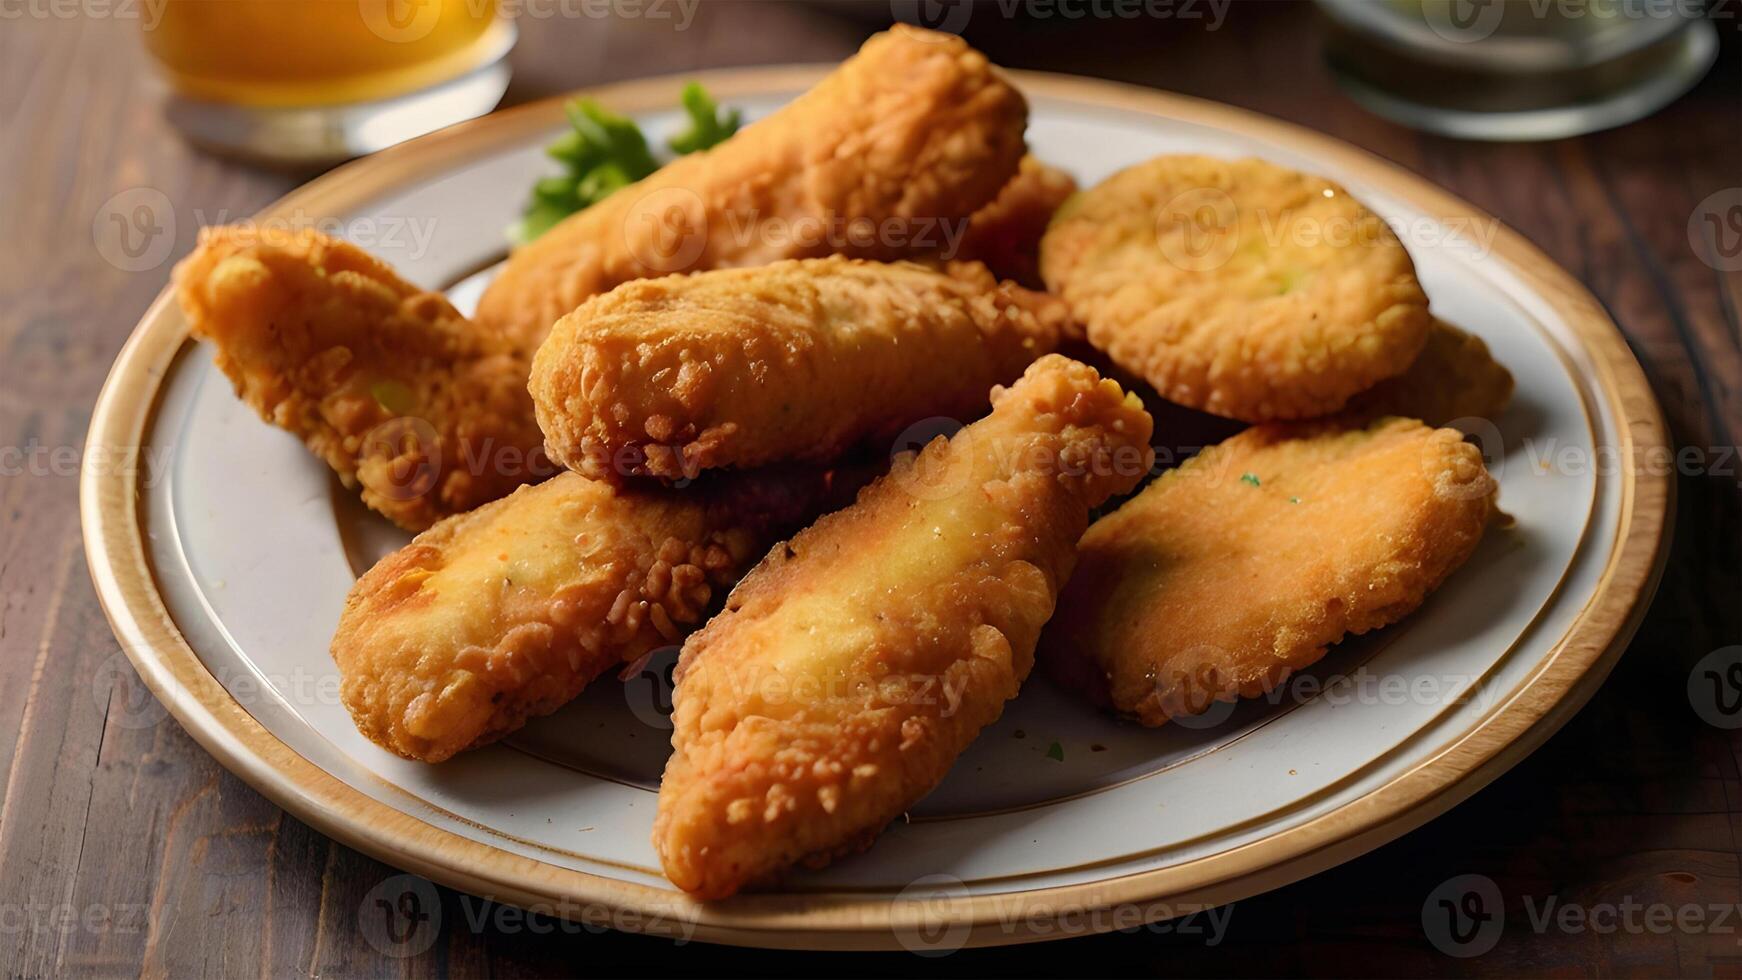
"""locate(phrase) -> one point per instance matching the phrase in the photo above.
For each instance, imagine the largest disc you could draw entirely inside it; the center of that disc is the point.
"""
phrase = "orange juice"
(321, 52)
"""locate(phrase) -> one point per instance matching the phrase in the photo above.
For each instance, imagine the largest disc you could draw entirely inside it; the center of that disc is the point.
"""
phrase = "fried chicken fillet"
(1454, 377)
(796, 360)
(886, 157)
(1246, 563)
(854, 664)
(505, 613)
(401, 395)
(1237, 287)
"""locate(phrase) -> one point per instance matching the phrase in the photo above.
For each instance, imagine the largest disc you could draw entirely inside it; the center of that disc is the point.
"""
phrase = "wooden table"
(172, 866)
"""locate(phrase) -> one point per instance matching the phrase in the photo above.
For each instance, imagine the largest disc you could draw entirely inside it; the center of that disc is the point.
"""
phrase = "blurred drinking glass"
(1518, 69)
(317, 81)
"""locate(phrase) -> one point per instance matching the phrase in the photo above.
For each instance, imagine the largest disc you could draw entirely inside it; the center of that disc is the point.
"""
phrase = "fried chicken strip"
(1246, 563)
(854, 664)
(797, 360)
(886, 157)
(400, 395)
(505, 613)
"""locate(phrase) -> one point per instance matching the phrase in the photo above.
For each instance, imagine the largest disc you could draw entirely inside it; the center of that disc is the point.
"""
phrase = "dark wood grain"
(175, 868)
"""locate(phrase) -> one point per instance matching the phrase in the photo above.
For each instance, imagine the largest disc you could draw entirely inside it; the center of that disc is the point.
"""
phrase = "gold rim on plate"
(1520, 720)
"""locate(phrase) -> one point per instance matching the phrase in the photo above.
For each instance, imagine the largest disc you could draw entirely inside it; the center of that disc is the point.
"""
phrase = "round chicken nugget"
(1243, 565)
(1237, 287)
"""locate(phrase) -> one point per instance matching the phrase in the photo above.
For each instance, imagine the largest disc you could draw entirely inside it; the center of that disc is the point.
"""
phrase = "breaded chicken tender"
(1246, 563)
(400, 395)
(1240, 288)
(886, 157)
(505, 613)
(1005, 234)
(855, 663)
(1454, 377)
(797, 360)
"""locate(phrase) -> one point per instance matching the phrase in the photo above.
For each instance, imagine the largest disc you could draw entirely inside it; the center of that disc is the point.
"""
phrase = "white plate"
(225, 564)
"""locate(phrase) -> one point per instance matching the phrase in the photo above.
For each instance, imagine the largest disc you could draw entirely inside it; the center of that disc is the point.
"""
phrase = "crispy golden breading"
(1180, 432)
(394, 389)
(1246, 563)
(503, 614)
(1237, 287)
(797, 360)
(1005, 234)
(884, 158)
(1454, 377)
(1048, 310)
(855, 663)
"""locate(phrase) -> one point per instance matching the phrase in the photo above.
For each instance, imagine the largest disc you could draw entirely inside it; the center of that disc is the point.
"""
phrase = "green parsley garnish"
(1055, 752)
(604, 151)
(708, 126)
(1249, 478)
(1294, 500)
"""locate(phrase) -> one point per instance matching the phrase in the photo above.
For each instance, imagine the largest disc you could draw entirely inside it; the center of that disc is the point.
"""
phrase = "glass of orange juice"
(317, 81)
